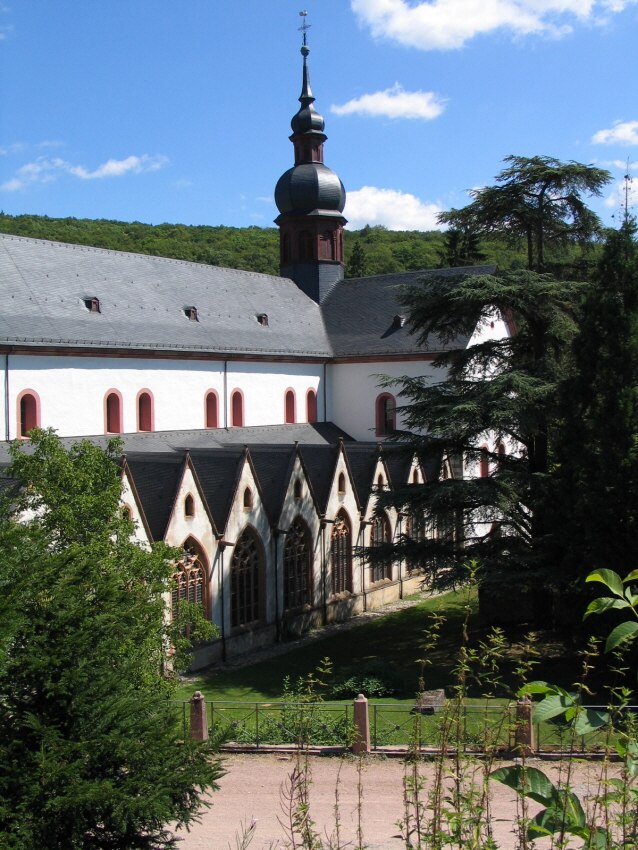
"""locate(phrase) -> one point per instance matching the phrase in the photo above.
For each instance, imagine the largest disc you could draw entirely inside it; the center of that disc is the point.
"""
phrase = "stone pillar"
(525, 732)
(199, 722)
(361, 743)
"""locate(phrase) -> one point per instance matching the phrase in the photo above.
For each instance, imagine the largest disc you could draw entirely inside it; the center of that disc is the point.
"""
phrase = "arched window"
(380, 483)
(305, 245)
(144, 411)
(385, 414)
(113, 412)
(500, 450)
(415, 528)
(237, 408)
(248, 499)
(341, 484)
(246, 571)
(311, 406)
(380, 568)
(211, 410)
(189, 506)
(28, 412)
(415, 476)
(326, 246)
(484, 463)
(190, 579)
(298, 489)
(290, 415)
(341, 554)
(298, 566)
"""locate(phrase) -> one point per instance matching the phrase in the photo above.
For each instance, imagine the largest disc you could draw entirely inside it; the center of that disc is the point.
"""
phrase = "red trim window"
(290, 415)
(113, 412)
(28, 404)
(484, 463)
(311, 406)
(145, 413)
(385, 409)
(237, 408)
(211, 409)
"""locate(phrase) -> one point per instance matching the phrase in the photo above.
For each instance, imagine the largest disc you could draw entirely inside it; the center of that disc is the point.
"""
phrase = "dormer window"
(262, 318)
(191, 314)
(398, 321)
(92, 304)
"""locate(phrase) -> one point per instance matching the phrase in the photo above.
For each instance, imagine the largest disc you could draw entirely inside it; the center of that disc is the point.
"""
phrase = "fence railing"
(492, 724)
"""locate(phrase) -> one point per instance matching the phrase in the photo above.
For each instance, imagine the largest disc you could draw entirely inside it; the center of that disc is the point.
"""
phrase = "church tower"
(310, 199)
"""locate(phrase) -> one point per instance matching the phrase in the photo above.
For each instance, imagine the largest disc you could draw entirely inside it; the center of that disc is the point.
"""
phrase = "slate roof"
(362, 460)
(142, 301)
(359, 314)
(319, 463)
(218, 472)
(156, 478)
(273, 467)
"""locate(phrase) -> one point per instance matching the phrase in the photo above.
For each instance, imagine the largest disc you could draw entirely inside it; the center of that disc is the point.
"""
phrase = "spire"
(310, 198)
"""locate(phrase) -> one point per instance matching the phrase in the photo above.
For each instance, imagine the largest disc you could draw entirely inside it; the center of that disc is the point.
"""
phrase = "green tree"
(506, 388)
(461, 248)
(537, 199)
(597, 475)
(90, 749)
(357, 264)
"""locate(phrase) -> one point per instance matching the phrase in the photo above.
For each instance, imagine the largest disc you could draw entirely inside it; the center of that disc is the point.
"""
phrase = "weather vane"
(304, 27)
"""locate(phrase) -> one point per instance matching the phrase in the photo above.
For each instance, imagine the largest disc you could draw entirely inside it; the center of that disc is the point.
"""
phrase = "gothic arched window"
(246, 571)
(298, 566)
(341, 554)
(380, 568)
(189, 579)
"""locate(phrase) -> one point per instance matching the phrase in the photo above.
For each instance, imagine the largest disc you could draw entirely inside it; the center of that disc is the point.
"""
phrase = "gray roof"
(359, 314)
(142, 301)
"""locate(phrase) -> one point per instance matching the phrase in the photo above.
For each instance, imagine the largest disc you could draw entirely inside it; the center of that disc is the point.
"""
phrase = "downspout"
(225, 393)
(360, 546)
(6, 396)
(275, 534)
(324, 601)
(398, 529)
(222, 547)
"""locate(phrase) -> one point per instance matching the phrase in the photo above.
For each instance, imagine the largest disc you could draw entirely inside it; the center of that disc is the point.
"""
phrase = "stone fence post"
(361, 743)
(525, 732)
(199, 722)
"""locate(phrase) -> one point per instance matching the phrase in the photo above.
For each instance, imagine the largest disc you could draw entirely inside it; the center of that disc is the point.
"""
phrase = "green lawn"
(392, 643)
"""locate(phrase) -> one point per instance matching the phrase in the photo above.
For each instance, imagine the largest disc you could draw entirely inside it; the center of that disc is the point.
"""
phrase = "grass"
(393, 641)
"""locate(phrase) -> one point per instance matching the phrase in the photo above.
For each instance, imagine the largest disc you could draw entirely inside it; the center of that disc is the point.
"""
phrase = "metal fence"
(473, 727)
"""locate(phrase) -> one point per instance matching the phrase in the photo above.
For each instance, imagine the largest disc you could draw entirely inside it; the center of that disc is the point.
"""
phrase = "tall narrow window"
(145, 411)
(289, 407)
(237, 408)
(341, 554)
(500, 450)
(113, 412)
(211, 409)
(311, 406)
(380, 567)
(415, 528)
(305, 245)
(341, 484)
(28, 412)
(385, 414)
(189, 506)
(484, 462)
(246, 570)
(189, 579)
(298, 566)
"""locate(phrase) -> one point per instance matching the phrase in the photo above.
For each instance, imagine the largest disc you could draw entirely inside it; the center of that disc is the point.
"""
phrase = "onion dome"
(310, 187)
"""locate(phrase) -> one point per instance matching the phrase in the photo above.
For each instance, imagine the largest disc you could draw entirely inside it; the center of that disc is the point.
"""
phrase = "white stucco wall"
(72, 390)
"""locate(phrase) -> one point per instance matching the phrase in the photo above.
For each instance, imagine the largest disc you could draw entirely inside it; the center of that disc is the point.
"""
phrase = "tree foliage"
(539, 200)
(597, 447)
(90, 749)
(506, 387)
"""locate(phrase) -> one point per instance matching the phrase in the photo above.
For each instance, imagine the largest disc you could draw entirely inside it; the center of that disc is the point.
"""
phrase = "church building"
(249, 405)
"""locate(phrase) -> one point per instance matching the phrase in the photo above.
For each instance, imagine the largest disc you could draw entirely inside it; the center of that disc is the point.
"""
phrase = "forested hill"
(376, 250)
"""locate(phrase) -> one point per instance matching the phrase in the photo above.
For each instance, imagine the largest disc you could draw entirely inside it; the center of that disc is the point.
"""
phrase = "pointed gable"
(156, 478)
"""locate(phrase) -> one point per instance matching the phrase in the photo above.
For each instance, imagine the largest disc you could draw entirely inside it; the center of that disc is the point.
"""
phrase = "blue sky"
(166, 111)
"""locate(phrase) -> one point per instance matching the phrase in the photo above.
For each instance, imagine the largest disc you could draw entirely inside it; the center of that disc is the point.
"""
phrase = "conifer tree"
(92, 755)
(357, 264)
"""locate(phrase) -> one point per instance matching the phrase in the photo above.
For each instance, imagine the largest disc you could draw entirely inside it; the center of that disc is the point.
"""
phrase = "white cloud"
(616, 200)
(45, 169)
(390, 208)
(622, 133)
(394, 102)
(447, 24)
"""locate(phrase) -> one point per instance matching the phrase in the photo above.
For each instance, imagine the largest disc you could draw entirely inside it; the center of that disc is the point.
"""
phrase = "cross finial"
(304, 27)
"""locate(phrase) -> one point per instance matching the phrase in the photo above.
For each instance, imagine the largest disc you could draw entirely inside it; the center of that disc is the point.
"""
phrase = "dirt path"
(251, 790)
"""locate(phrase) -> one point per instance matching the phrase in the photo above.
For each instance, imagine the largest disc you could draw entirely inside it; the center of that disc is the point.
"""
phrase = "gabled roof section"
(398, 461)
(141, 298)
(362, 315)
(320, 463)
(273, 467)
(218, 473)
(155, 478)
(362, 460)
